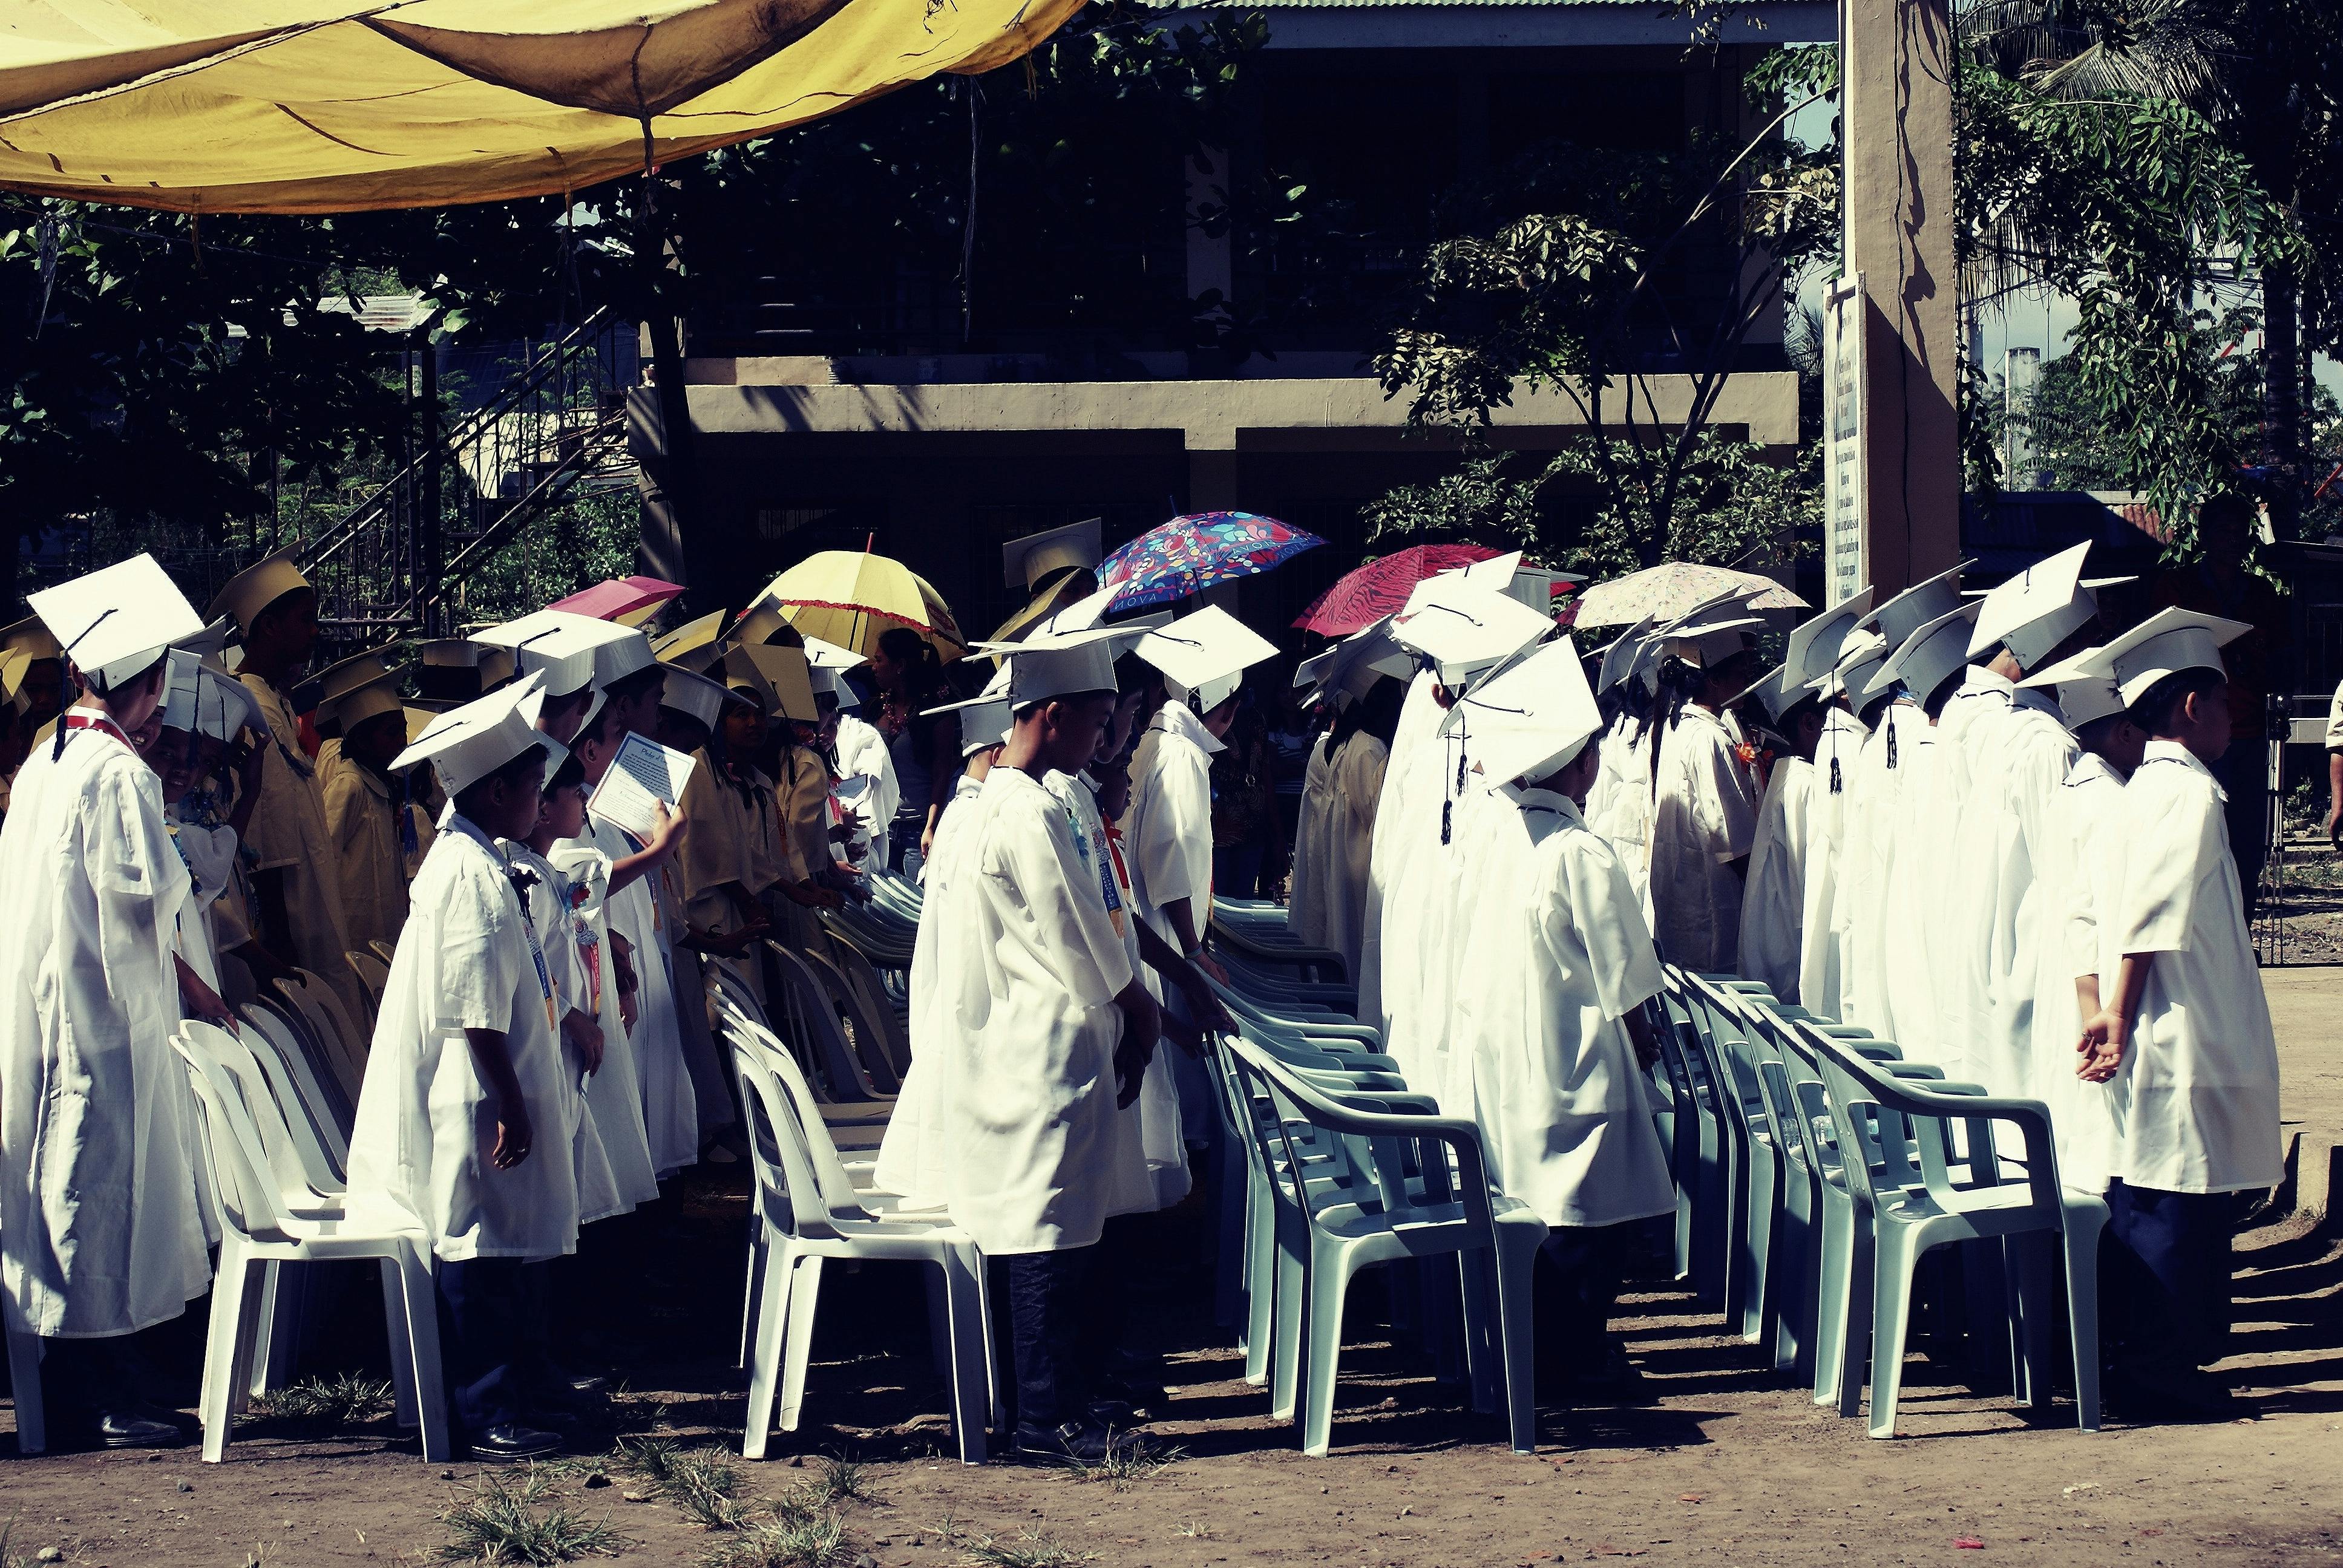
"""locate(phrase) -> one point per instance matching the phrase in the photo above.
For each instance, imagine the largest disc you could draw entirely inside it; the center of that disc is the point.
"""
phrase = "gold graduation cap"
(252, 590)
(1058, 567)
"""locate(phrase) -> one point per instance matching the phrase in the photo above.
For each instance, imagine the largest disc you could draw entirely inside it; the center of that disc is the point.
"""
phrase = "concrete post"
(1898, 58)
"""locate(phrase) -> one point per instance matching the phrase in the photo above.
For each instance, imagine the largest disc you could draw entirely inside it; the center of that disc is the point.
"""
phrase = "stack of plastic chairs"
(1827, 1167)
(809, 1208)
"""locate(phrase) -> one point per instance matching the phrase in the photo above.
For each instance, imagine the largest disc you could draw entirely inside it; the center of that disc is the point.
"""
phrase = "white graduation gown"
(1704, 818)
(548, 904)
(426, 1130)
(1305, 884)
(1555, 955)
(2195, 1102)
(2078, 876)
(1620, 805)
(1435, 897)
(1918, 852)
(1168, 830)
(1408, 777)
(1773, 906)
(1151, 1158)
(2021, 756)
(1822, 953)
(99, 1231)
(613, 1095)
(862, 753)
(1348, 828)
(670, 1106)
(1859, 914)
(1029, 968)
(912, 1157)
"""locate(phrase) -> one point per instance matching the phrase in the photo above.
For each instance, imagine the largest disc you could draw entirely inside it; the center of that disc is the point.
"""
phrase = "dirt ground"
(1724, 1465)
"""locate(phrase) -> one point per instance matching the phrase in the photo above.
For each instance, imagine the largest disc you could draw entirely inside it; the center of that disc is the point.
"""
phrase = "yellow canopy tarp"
(298, 105)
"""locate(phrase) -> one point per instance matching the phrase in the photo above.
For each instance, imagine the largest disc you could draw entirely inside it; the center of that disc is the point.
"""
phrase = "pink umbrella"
(625, 600)
(1359, 598)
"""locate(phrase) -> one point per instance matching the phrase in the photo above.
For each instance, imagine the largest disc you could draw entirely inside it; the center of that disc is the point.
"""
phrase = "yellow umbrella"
(850, 596)
(340, 105)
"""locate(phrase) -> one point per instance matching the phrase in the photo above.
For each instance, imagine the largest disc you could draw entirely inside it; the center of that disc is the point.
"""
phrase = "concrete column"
(1897, 60)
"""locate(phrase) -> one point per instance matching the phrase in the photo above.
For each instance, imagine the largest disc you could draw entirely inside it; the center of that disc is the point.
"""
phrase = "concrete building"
(819, 424)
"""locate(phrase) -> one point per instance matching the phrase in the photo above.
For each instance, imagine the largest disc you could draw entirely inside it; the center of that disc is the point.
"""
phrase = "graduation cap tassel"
(406, 842)
(1834, 789)
(1891, 742)
(1446, 809)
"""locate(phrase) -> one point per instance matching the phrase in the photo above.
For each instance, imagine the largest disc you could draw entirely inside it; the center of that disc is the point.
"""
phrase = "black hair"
(1942, 692)
(2093, 734)
(925, 671)
(570, 775)
(628, 687)
(2154, 710)
(2229, 507)
(595, 729)
(510, 774)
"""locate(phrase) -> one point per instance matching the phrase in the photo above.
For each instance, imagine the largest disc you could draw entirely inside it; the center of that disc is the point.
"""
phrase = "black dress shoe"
(133, 1428)
(1139, 1393)
(1075, 1442)
(513, 1440)
(587, 1383)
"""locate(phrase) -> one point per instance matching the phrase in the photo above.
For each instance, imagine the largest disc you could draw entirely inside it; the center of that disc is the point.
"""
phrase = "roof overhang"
(1546, 24)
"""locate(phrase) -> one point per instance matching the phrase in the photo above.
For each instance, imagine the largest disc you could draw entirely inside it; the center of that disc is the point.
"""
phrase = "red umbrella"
(624, 600)
(1360, 599)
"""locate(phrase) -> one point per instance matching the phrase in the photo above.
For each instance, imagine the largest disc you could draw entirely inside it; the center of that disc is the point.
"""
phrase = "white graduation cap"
(1775, 692)
(213, 640)
(466, 744)
(1084, 614)
(1916, 606)
(690, 693)
(1705, 638)
(1354, 664)
(554, 643)
(1464, 630)
(1937, 649)
(1029, 562)
(115, 622)
(2040, 609)
(984, 718)
(2085, 691)
(2165, 643)
(1531, 720)
(1203, 657)
(181, 684)
(1815, 644)
(225, 706)
(1045, 665)
(1859, 658)
(1622, 654)
(822, 655)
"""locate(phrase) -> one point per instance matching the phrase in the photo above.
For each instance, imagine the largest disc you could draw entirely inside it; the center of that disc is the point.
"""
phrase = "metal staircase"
(390, 567)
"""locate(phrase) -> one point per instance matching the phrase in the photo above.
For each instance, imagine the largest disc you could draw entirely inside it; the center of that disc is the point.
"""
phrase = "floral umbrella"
(1667, 590)
(1359, 598)
(1187, 555)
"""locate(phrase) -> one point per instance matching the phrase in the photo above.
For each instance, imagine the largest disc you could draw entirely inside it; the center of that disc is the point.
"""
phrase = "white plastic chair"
(313, 1002)
(1497, 1239)
(801, 1228)
(256, 1232)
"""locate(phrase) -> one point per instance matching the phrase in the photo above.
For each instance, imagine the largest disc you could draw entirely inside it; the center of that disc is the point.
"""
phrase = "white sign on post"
(1844, 570)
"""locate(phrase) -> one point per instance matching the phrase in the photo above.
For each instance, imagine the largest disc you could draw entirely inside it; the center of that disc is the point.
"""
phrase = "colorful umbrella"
(850, 596)
(1187, 555)
(1359, 598)
(1665, 591)
(627, 600)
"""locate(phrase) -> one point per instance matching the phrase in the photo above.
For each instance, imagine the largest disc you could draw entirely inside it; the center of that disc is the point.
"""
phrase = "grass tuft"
(699, 1481)
(1031, 1549)
(502, 1523)
(1126, 1464)
(326, 1404)
(787, 1539)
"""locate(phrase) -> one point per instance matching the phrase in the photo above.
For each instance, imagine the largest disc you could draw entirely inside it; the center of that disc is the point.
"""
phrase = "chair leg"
(1757, 1250)
(749, 1286)
(221, 1344)
(1286, 1299)
(1862, 1289)
(264, 1334)
(419, 1312)
(1514, 1262)
(805, 1293)
(1891, 1316)
(275, 1367)
(24, 1377)
(402, 1344)
(1321, 1353)
(1234, 1205)
(1483, 1341)
(2034, 1292)
(971, 1350)
(765, 1364)
(2080, 1245)
(1830, 1303)
(1261, 1284)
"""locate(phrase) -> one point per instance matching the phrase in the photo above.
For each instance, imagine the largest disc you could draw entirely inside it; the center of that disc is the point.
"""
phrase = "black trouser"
(90, 1378)
(1055, 1334)
(1592, 1261)
(484, 1328)
(2164, 1281)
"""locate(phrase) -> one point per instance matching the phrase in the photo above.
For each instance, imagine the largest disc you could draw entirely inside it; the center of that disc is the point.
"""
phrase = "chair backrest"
(869, 1025)
(865, 982)
(814, 1024)
(245, 1199)
(777, 1144)
(1384, 1147)
(295, 1158)
(332, 1110)
(837, 1188)
(304, 998)
(372, 972)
